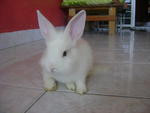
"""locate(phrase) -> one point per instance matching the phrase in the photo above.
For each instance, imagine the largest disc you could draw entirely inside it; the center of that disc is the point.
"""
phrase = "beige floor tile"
(16, 100)
(7, 55)
(121, 79)
(26, 73)
(59, 102)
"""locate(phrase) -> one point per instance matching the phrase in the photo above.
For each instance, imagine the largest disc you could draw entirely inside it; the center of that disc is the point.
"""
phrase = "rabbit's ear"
(76, 26)
(46, 28)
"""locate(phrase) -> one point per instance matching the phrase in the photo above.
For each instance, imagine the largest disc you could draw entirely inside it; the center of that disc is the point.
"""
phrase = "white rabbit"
(67, 57)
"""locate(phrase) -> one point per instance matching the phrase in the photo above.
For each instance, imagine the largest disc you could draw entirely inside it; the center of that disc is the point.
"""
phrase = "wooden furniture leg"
(111, 17)
(112, 23)
(72, 12)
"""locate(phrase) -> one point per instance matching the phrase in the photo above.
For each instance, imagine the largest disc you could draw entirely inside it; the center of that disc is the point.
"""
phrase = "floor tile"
(142, 46)
(23, 37)
(26, 50)
(121, 79)
(138, 79)
(26, 73)
(140, 57)
(16, 100)
(59, 102)
(18, 53)
(37, 35)
(6, 41)
(7, 55)
(121, 56)
(111, 56)
(106, 78)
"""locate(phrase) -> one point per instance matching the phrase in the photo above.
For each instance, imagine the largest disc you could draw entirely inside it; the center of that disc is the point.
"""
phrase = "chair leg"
(72, 12)
(112, 23)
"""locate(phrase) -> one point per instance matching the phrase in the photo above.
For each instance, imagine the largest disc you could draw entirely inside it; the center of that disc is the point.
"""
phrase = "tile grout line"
(121, 63)
(88, 93)
(121, 96)
(21, 44)
(36, 100)
(21, 87)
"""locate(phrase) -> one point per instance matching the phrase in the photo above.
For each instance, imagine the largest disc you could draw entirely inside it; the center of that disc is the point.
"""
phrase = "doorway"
(142, 18)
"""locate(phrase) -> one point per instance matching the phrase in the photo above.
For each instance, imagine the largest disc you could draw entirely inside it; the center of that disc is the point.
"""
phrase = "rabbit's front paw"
(81, 88)
(50, 88)
(50, 85)
(71, 86)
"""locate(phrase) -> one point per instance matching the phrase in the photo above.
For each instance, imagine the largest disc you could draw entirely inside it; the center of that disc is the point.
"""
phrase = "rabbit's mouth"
(53, 70)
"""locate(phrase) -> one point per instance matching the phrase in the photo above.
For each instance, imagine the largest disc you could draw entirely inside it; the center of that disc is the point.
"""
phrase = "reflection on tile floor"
(120, 81)
(72, 103)
(17, 100)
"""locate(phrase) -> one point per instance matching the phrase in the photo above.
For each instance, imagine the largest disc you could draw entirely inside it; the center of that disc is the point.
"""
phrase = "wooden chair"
(110, 17)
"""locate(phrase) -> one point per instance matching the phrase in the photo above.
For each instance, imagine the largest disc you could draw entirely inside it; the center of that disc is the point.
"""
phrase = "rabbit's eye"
(64, 53)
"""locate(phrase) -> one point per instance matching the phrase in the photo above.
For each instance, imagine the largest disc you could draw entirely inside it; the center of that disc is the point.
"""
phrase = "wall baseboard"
(11, 39)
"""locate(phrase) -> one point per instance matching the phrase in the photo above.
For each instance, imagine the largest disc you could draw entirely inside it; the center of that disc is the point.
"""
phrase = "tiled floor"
(120, 82)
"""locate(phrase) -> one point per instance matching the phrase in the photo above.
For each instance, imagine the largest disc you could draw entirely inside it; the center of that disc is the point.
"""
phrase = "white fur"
(72, 69)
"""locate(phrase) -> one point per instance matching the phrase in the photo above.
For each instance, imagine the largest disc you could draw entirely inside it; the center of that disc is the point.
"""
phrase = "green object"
(86, 2)
(121, 1)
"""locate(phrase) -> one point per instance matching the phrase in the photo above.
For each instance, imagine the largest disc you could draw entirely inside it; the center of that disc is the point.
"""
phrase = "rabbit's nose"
(53, 70)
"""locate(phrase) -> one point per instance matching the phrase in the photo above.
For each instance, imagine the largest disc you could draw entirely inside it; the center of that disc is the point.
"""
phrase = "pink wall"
(21, 14)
